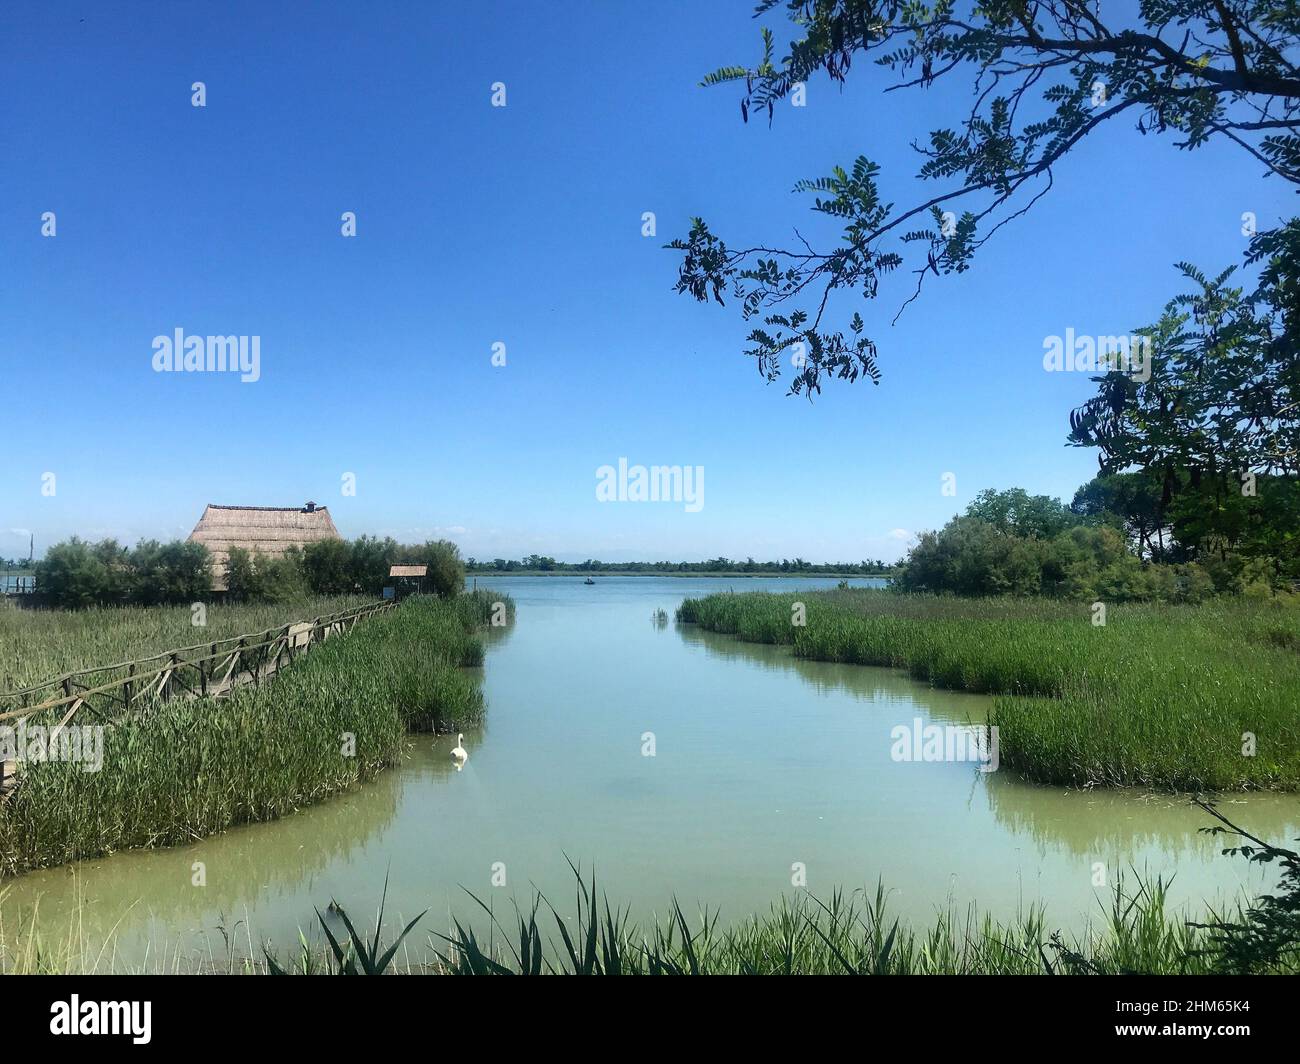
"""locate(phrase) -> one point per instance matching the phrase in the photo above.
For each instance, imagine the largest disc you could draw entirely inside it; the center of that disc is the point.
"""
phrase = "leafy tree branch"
(1045, 75)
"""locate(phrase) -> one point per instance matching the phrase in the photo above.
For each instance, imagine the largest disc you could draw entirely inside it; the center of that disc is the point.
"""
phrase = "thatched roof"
(268, 530)
(408, 570)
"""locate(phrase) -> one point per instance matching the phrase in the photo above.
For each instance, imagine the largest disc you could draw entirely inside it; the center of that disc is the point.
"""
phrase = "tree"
(244, 580)
(370, 561)
(1214, 422)
(1012, 543)
(76, 574)
(163, 573)
(446, 572)
(1221, 394)
(1018, 513)
(327, 565)
(282, 578)
(969, 556)
(254, 576)
(1134, 501)
(1045, 75)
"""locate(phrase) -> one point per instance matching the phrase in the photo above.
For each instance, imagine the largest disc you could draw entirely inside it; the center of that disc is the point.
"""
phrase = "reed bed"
(187, 768)
(1183, 698)
(37, 645)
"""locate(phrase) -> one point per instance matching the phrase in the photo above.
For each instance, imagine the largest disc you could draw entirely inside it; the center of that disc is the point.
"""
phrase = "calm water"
(761, 761)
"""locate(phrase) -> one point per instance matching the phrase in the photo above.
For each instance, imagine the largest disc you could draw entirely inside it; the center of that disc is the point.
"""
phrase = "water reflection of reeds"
(863, 682)
(1079, 822)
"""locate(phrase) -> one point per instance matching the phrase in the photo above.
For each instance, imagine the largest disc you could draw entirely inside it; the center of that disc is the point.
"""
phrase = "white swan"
(460, 753)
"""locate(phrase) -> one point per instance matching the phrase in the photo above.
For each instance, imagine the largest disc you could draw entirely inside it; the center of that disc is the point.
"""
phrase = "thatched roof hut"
(407, 579)
(268, 530)
(408, 570)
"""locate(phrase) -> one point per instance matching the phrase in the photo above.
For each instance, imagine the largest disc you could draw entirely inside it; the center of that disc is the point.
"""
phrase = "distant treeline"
(539, 563)
(77, 573)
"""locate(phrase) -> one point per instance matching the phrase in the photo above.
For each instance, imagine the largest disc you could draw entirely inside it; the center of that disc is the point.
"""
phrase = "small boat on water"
(589, 580)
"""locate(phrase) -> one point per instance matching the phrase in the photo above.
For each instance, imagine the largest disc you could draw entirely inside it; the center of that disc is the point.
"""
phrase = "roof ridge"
(276, 509)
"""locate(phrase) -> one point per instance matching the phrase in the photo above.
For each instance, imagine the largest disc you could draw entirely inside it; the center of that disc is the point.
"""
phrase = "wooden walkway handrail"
(166, 667)
(324, 618)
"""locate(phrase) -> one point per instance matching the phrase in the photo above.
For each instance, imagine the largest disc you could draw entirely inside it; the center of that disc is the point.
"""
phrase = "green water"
(761, 763)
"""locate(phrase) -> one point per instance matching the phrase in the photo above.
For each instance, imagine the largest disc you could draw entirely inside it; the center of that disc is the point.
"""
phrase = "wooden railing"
(202, 670)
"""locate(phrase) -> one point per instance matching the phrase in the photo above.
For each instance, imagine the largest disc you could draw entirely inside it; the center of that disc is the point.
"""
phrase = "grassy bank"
(188, 768)
(1168, 697)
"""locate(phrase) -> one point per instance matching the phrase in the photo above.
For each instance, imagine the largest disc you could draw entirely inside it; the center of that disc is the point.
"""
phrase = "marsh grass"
(187, 768)
(1163, 697)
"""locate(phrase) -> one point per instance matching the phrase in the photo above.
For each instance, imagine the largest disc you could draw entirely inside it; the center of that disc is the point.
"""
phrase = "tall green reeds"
(1193, 698)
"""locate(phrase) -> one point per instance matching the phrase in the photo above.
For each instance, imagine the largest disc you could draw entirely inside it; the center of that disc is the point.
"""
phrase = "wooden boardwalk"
(206, 670)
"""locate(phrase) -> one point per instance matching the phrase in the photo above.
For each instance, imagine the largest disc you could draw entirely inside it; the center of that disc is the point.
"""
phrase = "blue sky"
(519, 225)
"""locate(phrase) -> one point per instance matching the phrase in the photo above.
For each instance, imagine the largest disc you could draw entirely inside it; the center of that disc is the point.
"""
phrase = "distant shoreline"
(739, 576)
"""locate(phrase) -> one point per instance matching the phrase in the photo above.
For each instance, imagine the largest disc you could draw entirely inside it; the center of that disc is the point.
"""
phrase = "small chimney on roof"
(309, 508)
